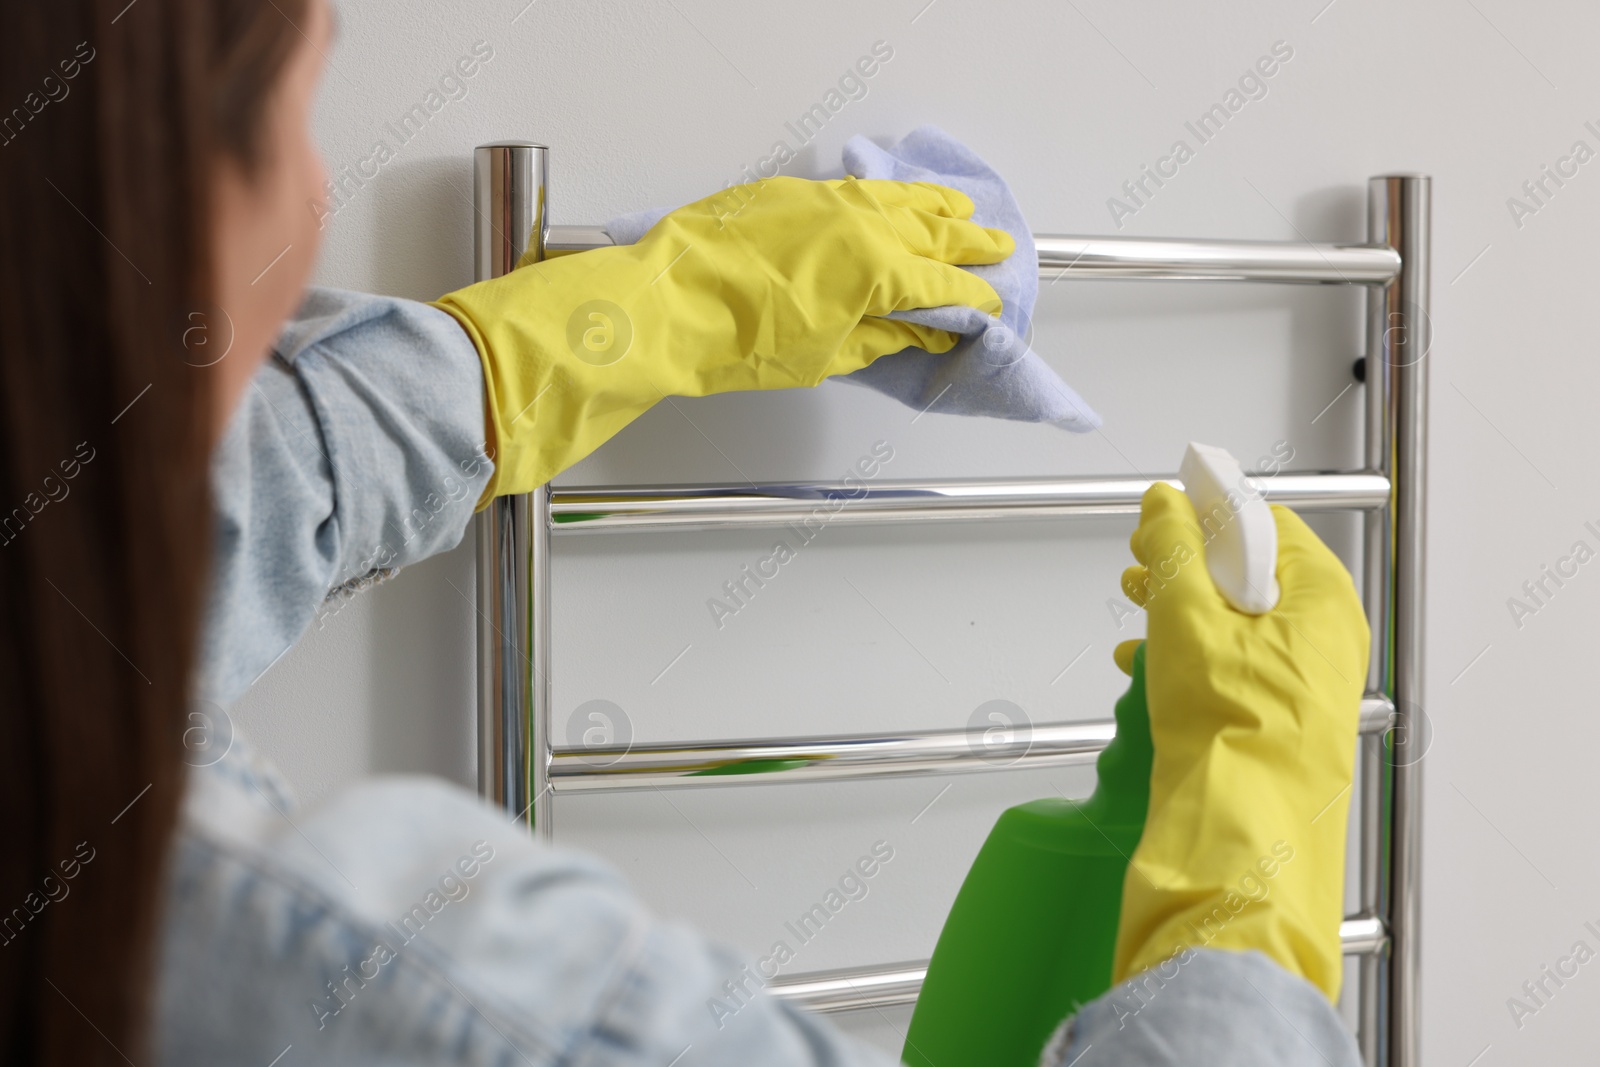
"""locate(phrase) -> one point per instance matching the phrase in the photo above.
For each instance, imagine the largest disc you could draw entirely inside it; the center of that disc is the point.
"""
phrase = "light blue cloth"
(993, 370)
(401, 922)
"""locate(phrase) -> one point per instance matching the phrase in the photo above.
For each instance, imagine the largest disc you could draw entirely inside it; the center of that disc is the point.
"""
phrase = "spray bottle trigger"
(1241, 534)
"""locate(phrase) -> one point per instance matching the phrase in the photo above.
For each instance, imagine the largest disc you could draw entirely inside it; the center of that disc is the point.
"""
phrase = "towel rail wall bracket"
(521, 769)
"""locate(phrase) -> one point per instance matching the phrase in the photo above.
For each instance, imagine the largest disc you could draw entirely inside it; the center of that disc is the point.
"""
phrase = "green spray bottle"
(1031, 935)
(1033, 932)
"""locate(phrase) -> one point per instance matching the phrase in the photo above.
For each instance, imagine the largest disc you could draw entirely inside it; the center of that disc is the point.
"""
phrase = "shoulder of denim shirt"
(237, 775)
(313, 891)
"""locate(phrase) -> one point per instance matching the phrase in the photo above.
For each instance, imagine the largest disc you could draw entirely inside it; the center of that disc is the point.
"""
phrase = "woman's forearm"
(358, 449)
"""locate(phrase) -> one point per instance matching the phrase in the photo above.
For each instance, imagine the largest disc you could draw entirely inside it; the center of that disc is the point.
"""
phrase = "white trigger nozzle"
(1241, 535)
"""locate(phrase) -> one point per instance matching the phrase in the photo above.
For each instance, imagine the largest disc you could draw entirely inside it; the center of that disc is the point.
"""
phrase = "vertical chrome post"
(1372, 1008)
(513, 533)
(1399, 336)
(1372, 988)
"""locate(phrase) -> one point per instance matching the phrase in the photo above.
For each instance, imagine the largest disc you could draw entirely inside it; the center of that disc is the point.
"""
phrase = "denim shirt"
(403, 921)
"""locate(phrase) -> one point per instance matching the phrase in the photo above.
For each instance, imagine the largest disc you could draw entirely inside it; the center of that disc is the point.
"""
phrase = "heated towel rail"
(521, 769)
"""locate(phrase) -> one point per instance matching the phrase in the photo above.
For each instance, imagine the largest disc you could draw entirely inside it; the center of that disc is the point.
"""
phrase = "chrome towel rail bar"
(701, 507)
(852, 989)
(610, 769)
(1154, 259)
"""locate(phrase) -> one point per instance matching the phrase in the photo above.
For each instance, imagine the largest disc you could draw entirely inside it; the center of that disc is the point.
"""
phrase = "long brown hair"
(112, 118)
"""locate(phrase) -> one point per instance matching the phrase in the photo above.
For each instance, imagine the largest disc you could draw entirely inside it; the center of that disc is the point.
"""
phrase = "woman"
(154, 239)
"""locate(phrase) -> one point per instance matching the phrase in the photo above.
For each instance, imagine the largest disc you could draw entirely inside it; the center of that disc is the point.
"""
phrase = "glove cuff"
(492, 431)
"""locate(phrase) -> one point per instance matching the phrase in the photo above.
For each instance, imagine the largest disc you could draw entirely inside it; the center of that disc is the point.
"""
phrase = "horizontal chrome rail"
(600, 509)
(1363, 935)
(567, 239)
(1156, 259)
(608, 769)
(853, 989)
(856, 989)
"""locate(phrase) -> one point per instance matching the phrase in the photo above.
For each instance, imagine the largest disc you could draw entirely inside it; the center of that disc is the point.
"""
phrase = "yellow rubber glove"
(1254, 722)
(772, 285)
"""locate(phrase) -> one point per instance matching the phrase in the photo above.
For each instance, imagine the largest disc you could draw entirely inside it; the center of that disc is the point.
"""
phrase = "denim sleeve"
(1206, 1007)
(357, 449)
(404, 922)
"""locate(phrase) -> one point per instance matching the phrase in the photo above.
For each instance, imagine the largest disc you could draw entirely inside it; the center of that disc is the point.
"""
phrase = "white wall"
(660, 102)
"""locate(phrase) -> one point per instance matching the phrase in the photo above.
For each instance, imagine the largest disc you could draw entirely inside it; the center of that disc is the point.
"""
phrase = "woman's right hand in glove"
(771, 285)
(1254, 721)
